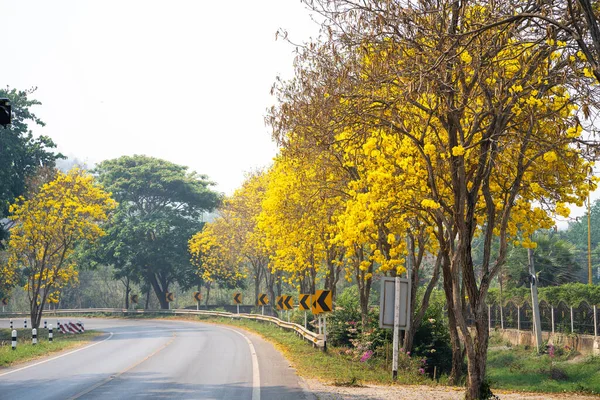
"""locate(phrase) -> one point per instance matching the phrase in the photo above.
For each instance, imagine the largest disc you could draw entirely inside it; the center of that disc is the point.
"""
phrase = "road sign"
(5, 301)
(134, 298)
(288, 302)
(322, 301)
(237, 298)
(263, 300)
(279, 302)
(170, 296)
(304, 302)
(388, 298)
(198, 296)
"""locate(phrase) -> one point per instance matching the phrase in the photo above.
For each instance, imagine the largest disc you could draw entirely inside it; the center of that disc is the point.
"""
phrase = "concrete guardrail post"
(34, 336)
(14, 339)
(50, 333)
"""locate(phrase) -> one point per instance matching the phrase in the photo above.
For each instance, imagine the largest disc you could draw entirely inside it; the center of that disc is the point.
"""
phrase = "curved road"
(158, 359)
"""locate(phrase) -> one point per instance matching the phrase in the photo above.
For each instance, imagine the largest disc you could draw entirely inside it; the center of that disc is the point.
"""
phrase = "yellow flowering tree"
(486, 123)
(211, 251)
(48, 226)
(297, 220)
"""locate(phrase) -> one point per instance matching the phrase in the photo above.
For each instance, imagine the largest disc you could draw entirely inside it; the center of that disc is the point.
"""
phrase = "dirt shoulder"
(375, 392)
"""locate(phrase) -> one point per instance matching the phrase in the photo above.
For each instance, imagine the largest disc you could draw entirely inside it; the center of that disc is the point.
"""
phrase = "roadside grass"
(333, 366)
(510, 368)
(26, 351)
(521, 369)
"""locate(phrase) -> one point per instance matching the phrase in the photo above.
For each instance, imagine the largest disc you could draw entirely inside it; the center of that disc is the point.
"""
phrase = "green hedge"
(571, 293)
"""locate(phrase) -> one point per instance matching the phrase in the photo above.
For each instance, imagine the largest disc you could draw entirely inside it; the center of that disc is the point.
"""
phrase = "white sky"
(183, 80)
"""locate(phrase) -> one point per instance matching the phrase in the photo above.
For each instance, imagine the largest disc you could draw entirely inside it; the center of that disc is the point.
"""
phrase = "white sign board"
(386, 304)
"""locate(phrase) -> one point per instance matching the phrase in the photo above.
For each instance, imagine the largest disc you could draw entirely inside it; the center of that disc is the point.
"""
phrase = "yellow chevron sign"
(304, 302)
(263, 300)
(322, 302)
(237, 298)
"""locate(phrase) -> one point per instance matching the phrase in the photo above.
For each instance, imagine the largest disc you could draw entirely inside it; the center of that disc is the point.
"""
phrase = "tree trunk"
(207, 293)
(477, 388)
(417, 317)
(457, 352)
(457, 355)
(256, 288)
(160, 292)
(147, 299)
(127, 291)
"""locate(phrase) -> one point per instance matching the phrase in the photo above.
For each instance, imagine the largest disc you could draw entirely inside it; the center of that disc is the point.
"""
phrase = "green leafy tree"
(21, 154)
(161, 205)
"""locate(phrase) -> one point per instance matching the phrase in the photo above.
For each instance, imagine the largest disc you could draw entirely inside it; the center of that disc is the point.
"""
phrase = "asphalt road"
(158, 359)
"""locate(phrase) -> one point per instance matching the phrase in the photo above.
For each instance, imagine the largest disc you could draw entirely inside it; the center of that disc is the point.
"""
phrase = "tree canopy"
(21, 153)
(161, 205)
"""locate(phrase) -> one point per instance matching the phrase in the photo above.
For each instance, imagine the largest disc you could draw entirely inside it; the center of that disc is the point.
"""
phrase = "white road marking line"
(255, 370)
(159, 330)
(117, 375)
(57, 357)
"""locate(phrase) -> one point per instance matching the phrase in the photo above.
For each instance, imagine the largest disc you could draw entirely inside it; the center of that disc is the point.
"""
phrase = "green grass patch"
(333, 366)
(26, 351)
(522, 369)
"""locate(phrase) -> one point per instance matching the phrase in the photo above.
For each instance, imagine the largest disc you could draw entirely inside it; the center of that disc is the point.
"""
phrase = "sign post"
(395, 311)
(237, 299)
(198, 297)
(322, 303)
(304, 301)
(170, 297)
(263, 300)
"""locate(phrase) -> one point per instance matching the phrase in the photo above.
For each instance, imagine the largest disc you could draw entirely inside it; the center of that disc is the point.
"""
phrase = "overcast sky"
(183, 80)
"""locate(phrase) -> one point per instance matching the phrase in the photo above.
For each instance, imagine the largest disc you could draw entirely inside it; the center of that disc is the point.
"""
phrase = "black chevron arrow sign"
(304, 301)
(288, 302)
(324, 303)
(263, 300)
(237, 298)
(280, 302)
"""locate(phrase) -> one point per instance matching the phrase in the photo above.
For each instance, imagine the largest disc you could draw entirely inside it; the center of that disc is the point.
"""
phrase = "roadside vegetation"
(444, 138)
(26, 351)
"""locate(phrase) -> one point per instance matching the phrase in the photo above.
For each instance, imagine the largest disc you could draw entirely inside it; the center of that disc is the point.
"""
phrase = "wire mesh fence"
(559, 318)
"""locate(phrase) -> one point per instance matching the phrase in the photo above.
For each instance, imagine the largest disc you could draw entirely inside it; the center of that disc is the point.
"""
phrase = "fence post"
(595, 323)
(50, 333)
(34, 336)
(518, 318)
(14, 339)
(552, 314)
(572, 330)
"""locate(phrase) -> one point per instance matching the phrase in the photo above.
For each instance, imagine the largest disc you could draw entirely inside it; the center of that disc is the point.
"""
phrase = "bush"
(344, 322)
(432, 339)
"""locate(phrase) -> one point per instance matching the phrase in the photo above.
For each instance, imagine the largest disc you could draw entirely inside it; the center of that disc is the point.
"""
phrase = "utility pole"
(589, 232)
(535, 306)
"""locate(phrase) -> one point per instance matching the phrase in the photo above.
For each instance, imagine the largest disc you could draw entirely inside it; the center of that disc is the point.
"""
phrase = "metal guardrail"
(316, 339)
